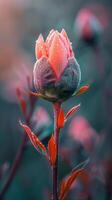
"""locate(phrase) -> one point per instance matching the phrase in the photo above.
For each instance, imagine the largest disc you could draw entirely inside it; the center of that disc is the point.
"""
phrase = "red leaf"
(67, 183)
(82, 90)
(21, 101)
(61, 119)
(72, 111)
(52, 150)
(33, 138)
(62, 189)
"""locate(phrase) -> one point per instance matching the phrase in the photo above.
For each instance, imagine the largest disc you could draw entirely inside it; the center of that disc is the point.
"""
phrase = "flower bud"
(88, 27)
(56, 71)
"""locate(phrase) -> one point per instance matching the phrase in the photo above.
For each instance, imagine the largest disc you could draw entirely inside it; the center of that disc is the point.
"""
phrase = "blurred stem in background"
(19, 156)
(14, 168)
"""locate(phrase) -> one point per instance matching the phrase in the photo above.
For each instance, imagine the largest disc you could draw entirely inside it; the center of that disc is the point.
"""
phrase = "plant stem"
(14, 168)
(56, 136)
(17, 160)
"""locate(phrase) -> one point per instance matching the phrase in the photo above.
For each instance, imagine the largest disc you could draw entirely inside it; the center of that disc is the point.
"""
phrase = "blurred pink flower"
(101, 12)
(41, 117)
(90, 22)
(80, 130)
(87, 25)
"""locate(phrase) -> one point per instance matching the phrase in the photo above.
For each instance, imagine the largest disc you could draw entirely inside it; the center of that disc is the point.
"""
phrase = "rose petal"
(40, 47)
(57, 55)
(50, 38)
(63, 32)
(50, 34)
(65, 44)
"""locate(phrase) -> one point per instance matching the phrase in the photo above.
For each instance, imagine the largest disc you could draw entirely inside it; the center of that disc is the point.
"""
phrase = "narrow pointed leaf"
(67, 182)
(82, 90)
(33, 138)
(62, 189)
(61, 119)
(72, 111)
(52, 150)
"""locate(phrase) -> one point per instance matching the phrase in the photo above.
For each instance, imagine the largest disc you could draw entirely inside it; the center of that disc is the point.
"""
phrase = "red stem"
(56, 136)
(14, 168)
(17, 159)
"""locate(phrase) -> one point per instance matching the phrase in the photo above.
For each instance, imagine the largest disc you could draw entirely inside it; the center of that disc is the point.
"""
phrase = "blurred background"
(88, 133)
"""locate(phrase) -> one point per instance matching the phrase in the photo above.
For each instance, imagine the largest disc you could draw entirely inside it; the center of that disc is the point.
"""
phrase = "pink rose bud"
(87, 26)
(56, 71)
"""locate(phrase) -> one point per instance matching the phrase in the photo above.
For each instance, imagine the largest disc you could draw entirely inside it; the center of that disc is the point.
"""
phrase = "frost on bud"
(56, 71)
